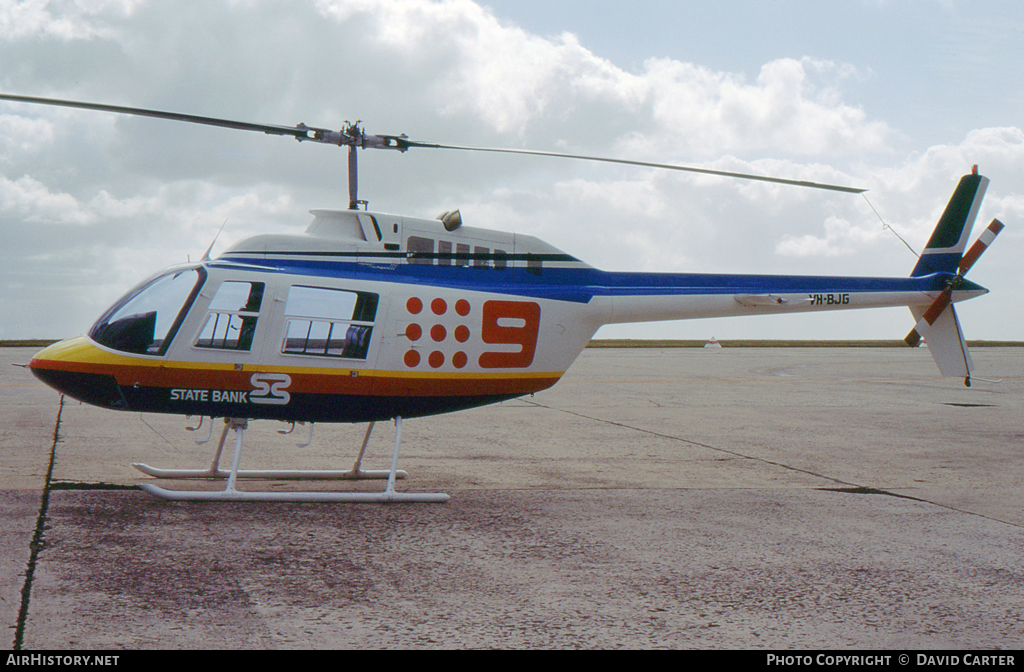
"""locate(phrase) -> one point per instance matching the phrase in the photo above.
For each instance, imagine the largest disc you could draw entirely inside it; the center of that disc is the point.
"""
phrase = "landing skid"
(269, 474)
(243, 496)
(231, 494)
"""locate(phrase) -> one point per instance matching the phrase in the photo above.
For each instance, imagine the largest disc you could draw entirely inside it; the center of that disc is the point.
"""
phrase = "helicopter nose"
(69, 367)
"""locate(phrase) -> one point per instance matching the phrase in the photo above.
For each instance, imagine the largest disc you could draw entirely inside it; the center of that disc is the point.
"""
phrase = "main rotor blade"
(353, 136)
(300, 132)
(645, 164)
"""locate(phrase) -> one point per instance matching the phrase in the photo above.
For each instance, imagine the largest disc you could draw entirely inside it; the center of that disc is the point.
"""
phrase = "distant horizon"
(665, 343)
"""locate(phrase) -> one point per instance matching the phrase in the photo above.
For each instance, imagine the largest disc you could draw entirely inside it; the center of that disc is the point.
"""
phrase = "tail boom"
(769, 295)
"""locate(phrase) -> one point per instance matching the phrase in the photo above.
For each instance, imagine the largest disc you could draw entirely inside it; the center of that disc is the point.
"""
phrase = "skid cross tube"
(231, 494)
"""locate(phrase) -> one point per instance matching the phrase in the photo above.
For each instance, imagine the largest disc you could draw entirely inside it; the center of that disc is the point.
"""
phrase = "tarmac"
(748, 498)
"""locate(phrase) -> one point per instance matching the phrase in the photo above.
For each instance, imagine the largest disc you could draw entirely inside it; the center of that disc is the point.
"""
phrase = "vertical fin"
(949, 240)
(946, 343)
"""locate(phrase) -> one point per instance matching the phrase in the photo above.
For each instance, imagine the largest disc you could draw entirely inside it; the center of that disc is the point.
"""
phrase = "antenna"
(206, 255)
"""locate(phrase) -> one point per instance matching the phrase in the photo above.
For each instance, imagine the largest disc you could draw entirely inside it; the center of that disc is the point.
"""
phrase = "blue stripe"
(582, 284)
(937, 262)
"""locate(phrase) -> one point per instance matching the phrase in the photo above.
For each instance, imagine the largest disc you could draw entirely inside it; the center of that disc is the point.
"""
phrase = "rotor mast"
(353, 179)
(352, 136)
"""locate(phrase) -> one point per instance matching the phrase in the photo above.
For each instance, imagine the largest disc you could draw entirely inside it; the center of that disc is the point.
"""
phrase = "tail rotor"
(946, 297)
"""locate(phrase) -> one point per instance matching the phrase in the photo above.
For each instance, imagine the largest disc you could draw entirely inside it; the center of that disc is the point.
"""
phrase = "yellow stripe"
(451, 375)
(82, 350)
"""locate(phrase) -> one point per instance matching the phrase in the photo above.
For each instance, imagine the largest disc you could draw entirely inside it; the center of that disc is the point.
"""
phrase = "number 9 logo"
(524, 335)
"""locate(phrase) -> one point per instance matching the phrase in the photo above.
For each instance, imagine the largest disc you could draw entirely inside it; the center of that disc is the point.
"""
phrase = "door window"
(231, 322)
(329, 322)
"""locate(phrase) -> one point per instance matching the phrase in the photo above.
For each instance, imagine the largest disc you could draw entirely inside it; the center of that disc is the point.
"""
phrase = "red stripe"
(307, 383)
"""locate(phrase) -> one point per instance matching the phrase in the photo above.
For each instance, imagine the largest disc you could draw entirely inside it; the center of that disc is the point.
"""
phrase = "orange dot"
(413, 332)
(459, 359)
(461, 333)
(438, 333)
(438, 306)
(436, 359)
(412, 358)
(414, 305)
(462, 307)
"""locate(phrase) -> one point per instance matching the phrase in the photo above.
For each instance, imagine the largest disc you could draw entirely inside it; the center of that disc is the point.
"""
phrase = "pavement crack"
(36, 545)
(847, 487)
(966, 512)
(701, 445)
(864, 490)
(84, 485)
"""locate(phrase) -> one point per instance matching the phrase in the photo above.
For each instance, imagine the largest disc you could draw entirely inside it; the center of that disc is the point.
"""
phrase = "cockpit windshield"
(145, 319)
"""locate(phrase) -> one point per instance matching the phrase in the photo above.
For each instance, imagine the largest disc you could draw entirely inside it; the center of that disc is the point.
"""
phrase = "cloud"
(710, 113)
(841, 238)
(511, 80)
(20, 135)
(64, 20)
(120, 197)
(30, 201)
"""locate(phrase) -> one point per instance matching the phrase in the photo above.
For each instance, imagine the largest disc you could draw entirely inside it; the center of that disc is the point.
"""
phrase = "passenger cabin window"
(444, 252)
(533, 265)
(416, 245)
(481, 257)
(420, 251)
(145, 320)
(329, 322)
(231, 322)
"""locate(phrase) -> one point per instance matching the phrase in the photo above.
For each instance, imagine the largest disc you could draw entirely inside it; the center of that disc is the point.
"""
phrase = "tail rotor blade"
(929, 317)
(980, 246)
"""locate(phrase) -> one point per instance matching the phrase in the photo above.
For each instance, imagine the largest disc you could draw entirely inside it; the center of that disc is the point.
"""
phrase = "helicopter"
(369, 316)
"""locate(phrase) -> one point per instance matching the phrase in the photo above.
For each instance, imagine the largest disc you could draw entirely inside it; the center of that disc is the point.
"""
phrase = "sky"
(901, 98)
